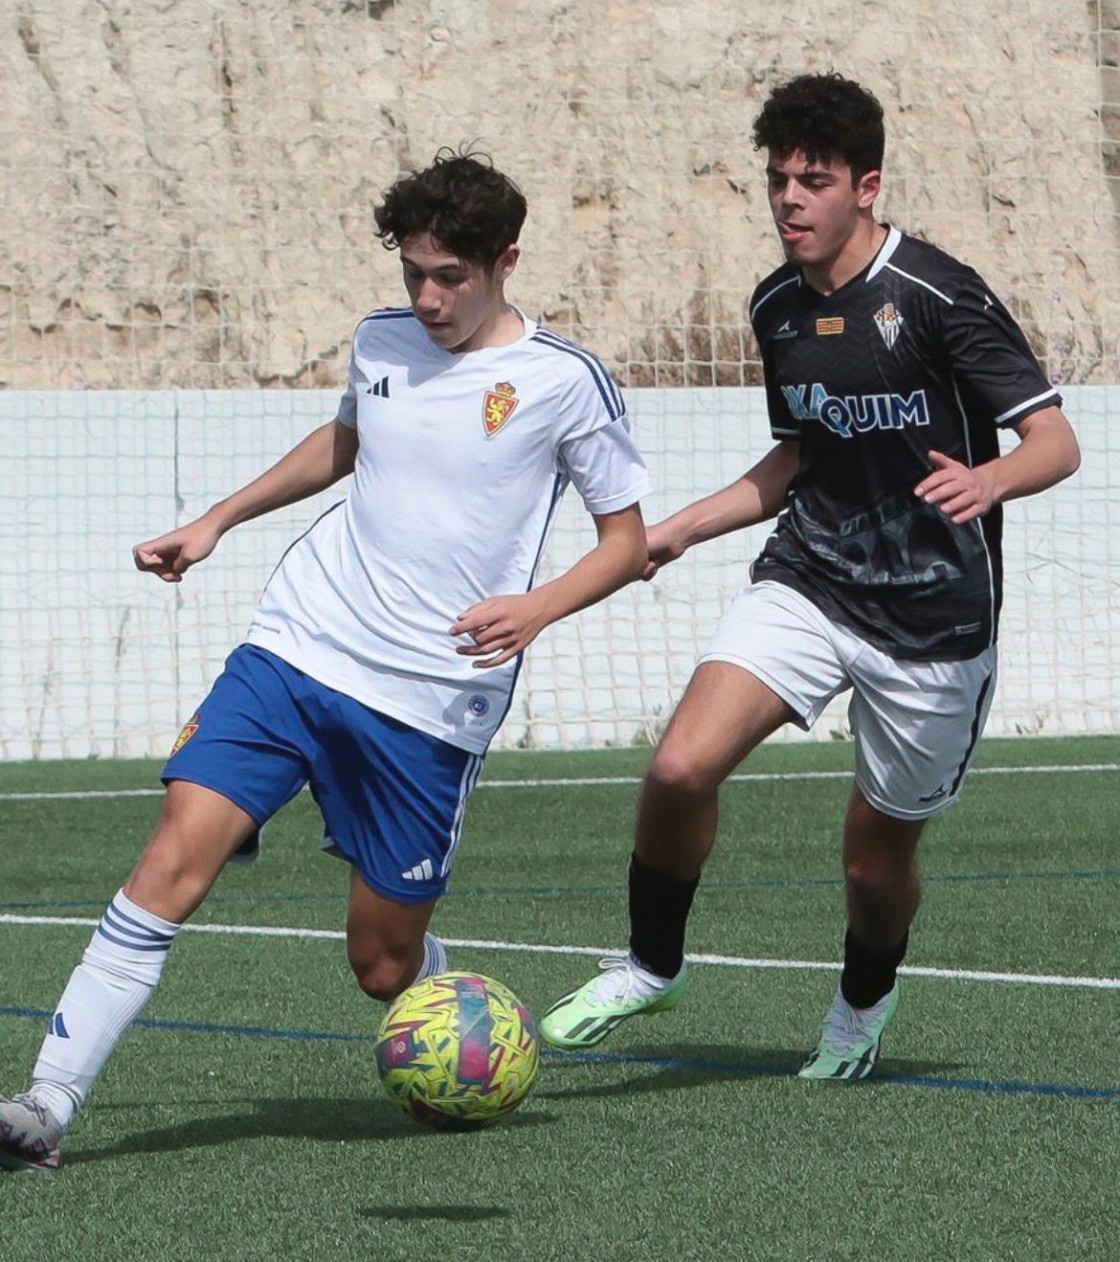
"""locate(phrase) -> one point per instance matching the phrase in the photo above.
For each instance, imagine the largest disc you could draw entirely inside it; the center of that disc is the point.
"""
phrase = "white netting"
(98, 659)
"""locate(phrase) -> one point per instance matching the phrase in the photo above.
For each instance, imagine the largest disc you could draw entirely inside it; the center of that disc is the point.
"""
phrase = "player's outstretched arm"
(755, 497)
(1047, 452)
(321, 459)
(502, 626)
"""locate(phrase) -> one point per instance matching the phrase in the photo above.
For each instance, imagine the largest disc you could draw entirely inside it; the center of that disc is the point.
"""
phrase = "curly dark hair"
(469, 207)
(825, 116)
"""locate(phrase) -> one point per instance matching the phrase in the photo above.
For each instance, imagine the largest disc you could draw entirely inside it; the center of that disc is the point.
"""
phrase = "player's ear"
(867, 188)
(507, 261)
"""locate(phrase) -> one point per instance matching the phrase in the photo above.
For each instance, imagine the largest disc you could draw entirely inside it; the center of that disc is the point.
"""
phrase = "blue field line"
(739, 1069)
(203, 1027)
(558, 891)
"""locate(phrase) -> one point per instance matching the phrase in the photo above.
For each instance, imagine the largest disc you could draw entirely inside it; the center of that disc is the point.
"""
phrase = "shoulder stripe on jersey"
(1027, 403)
(611, 394)
(793, 280)
(389, 313)
(547, 338)
(918, 281)
(893, 241)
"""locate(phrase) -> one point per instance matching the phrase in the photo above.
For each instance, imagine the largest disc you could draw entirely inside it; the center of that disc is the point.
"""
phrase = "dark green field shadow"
(434, 1213)
(332, 1121)
(686, 1065)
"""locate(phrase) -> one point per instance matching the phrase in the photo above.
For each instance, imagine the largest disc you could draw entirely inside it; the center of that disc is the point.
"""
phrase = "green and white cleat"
(850, 1040)
(623, 990)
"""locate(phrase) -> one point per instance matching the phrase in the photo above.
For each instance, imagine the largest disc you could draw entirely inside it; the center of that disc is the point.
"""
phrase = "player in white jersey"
(383, 654)
(889, 369)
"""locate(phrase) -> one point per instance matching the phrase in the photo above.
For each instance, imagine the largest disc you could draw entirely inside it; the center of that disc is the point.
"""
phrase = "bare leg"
(197, 831)
(880, 879)
(724, 713)
(384, 940)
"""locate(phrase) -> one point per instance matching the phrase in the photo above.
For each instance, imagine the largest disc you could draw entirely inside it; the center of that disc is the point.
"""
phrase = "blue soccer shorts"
(392, 797)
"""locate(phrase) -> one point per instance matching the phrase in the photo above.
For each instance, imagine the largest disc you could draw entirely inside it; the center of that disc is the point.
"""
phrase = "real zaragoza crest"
(888, 320)
(189, 729)
(498, 406)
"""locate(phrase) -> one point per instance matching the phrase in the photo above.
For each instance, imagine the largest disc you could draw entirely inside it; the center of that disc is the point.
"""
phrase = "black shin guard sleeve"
(659, 907)
(868, 973)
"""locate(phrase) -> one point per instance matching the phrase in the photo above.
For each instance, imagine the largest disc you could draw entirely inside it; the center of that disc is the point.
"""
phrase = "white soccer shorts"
(915, 724)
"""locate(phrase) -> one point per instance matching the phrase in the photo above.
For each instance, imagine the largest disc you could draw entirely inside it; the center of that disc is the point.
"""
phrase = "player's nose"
(428, 297)
(789, 194)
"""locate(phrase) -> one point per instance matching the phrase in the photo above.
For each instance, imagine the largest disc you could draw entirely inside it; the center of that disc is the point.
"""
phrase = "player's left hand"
(501, 627)
(960, 492)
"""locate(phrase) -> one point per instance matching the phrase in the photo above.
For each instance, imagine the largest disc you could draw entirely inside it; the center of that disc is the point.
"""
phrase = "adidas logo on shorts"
(421, 872)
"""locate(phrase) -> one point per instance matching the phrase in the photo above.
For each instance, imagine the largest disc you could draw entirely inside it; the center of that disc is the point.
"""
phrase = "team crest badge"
(888, 320)
(498, 406)
(188, 731)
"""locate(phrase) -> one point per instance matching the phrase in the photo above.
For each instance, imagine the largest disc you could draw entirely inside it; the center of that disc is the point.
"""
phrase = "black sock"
(869, 974)
(659, 907)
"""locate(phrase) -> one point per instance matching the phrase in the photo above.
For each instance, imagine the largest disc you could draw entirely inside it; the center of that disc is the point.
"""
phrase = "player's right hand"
(172, 554)
(663, 548)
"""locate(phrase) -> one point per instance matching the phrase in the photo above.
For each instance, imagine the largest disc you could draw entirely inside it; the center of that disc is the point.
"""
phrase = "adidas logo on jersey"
(380, 388)
(421, 872)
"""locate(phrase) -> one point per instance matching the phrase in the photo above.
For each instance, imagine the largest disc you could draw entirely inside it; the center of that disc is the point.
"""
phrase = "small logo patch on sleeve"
(189, 729)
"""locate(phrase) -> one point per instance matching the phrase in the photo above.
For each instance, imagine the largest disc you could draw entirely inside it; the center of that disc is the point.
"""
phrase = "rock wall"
(189, 182)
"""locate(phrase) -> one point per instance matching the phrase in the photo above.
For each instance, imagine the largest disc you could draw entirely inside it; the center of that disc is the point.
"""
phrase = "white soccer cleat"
(29, 1134)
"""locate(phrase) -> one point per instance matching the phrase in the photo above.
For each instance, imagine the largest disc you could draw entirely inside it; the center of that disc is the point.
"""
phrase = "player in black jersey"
(889, 368)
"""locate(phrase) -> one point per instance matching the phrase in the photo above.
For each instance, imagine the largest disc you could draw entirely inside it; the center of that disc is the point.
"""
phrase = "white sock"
(106, 992)
(435, 958)
(652, 981)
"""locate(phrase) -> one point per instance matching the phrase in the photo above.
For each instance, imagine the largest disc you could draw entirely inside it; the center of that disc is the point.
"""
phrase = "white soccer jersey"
(461, 464)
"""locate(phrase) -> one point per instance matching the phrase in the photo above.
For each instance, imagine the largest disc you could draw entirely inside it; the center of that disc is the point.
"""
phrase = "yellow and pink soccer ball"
(457, 1051)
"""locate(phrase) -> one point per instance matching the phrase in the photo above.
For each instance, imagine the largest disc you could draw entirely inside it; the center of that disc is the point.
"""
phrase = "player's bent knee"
(674, 772)
(874, 881)
(384, 976)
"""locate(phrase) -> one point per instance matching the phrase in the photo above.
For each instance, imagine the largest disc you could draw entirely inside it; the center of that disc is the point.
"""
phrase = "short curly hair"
(469, 207)
(824, 116)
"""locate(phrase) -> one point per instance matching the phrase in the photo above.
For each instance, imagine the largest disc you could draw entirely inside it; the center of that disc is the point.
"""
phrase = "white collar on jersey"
(893, 241)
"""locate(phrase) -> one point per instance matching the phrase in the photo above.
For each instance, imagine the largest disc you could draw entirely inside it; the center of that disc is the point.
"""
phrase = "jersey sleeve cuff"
(1048, 399)
(624, 499)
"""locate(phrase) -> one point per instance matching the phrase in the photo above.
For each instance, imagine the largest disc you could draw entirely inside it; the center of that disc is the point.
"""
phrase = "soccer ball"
(457, 1051)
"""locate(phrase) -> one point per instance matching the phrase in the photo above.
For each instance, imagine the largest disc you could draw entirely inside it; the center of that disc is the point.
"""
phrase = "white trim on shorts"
(471, 773)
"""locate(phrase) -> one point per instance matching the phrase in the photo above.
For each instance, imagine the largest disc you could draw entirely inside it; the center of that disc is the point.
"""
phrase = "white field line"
(758, 777)
(537, 948)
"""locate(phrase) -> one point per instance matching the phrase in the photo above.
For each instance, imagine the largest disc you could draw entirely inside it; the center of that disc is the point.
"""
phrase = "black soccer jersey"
(913, 353)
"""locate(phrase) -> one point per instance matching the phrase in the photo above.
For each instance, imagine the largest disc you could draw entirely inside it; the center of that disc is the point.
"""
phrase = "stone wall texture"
(188, 184)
